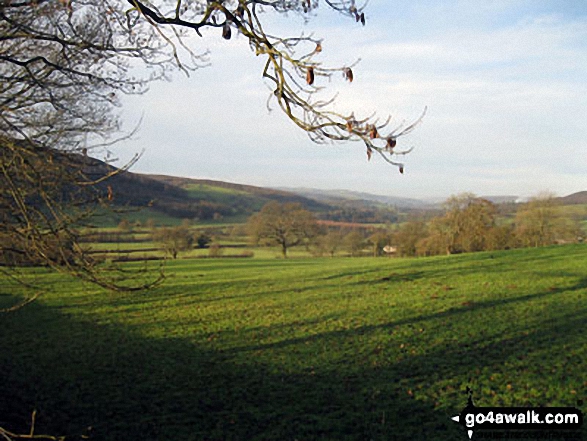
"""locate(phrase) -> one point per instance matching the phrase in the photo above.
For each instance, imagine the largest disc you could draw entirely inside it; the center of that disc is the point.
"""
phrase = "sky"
(504, 81)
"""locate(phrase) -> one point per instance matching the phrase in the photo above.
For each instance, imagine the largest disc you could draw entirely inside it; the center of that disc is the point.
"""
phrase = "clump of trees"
(328, 243)
(471, 224)
(541, 222)
(289, 225)
(354, 242)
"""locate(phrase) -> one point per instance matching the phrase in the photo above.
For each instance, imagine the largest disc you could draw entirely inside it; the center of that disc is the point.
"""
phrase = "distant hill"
(346, 196)
(227, 192)
(574, 199)
(197, 198)
(204, 199)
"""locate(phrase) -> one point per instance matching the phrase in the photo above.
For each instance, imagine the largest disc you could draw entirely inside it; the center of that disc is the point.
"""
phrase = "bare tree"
(354, 242)
(292, 66)
(174, 239)
(328, 243)
(408, 235)
(541, 221)
(378, 241)
(64, 65)
(285, 225)
(468, 225)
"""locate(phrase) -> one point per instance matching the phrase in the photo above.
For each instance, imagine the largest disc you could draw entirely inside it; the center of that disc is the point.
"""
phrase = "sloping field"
(309, 349)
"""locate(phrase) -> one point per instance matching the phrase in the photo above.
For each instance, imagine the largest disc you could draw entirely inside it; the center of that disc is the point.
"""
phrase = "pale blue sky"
(505, 83)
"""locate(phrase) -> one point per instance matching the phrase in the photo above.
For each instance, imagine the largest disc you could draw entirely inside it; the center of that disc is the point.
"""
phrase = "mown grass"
(305, 349)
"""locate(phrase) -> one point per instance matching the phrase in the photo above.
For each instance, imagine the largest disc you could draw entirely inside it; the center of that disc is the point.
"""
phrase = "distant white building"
(388, 249)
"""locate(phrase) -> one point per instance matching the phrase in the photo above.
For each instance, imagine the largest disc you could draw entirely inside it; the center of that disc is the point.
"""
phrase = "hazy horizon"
(423, 198)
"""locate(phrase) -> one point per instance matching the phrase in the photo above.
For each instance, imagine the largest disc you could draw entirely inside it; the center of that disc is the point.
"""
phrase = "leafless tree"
(292, 64)
(64, 65)
(285, 225)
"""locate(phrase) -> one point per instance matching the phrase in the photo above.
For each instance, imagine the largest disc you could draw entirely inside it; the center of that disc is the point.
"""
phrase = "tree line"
(466, 224)
(470, 224)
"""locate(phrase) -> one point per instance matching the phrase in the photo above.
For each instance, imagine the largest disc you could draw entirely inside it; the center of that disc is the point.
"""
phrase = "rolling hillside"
(578, 198)
(349, 197)
(242, 198)
(184, 198)
(176, 198)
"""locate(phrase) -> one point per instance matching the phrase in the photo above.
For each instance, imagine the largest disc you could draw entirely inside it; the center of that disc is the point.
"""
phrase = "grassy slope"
(306, 349)
(236, 195)
(239, 200)
(167, 199)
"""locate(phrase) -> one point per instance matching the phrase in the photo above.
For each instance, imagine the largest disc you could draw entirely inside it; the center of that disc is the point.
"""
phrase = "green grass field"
(299, 349)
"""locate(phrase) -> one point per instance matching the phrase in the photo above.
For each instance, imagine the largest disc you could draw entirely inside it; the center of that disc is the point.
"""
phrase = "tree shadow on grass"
(453, 313)
(128, 387)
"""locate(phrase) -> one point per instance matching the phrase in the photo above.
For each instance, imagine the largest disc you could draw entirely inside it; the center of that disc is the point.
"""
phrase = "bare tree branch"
(291, 65)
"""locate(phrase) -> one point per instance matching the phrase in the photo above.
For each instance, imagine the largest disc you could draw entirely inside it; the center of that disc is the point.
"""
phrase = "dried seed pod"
(373, 132)
(348, 74)
(226, 32)
(318, 47)
(401, 169)
(391, 143)
(362, 17)
(310, 76)
(349, 126)
(369, 153)
(357, 17)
